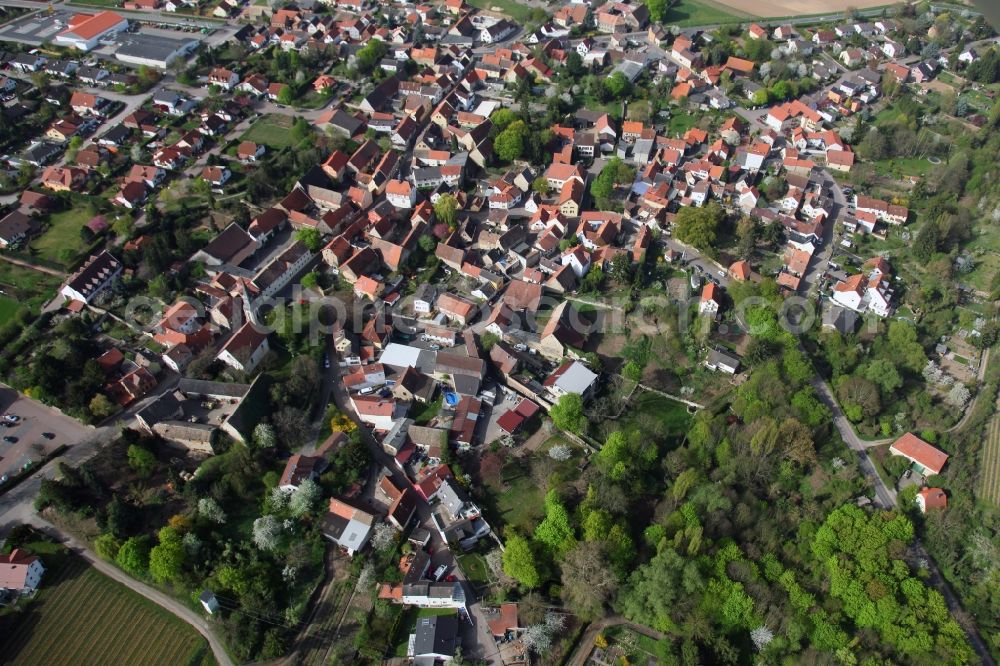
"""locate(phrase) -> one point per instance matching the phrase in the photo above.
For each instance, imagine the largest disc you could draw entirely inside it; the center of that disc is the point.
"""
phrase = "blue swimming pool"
(450, 398)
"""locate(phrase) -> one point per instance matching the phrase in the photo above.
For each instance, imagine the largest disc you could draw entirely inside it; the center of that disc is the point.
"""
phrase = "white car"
(440, 572)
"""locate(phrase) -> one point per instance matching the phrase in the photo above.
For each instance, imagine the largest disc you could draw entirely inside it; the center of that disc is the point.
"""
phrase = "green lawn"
(671, 417)
(63, 233)
(474, 567)
(680, 122)
(26, 286)
(511, 8)
(8, 308)
(521, 506)
(699, 12)
(274, 131)
(913, 166)
(985, 250)
(423, 413)
(81, 616)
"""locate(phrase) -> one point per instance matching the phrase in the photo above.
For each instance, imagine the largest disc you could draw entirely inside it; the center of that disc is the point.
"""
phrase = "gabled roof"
(919, 451)
(933, 498)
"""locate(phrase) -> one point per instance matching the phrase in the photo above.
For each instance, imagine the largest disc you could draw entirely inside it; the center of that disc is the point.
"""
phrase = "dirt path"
(34, 267)
(312, 643)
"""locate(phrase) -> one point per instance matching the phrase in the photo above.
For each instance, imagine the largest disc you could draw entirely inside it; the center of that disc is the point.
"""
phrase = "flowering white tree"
(266, 531)
(264, 436)
(305, 498)
(494, 560)
(289, 573)
(958, 396)
(210, 510)
(366, 576)
(932, 373)
(560, 452)
(383, 537)
(192, 544)
(537, 638)
(761, 636)
(555, 621)
(278, 499)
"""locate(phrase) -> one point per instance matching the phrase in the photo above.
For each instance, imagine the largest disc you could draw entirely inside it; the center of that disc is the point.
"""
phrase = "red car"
(450, 578)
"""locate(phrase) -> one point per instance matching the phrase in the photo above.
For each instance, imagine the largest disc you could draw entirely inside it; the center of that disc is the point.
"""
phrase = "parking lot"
(36, 29)
(36, 419)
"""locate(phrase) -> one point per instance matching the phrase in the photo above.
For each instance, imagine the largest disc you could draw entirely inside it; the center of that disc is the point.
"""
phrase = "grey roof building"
(435, 637)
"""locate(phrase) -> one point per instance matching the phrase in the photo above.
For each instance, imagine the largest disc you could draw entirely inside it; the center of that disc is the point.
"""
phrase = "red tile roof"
(90, 26)
(934, 498)
(919, 451)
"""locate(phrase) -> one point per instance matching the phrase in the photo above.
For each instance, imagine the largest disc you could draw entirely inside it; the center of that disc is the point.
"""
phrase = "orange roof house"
(739, 65)
(926, 457)
(740, 271)
(931, 498)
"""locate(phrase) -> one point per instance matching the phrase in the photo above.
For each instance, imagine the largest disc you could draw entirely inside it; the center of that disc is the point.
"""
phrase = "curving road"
(154, 595)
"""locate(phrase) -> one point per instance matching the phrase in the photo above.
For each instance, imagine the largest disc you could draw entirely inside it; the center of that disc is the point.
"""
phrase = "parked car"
(440, 572)
(48, 435)
(10, 440)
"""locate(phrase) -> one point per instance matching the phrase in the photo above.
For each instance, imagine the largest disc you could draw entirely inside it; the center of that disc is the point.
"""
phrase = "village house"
(347, 526)
(245, 349)
(20, 572)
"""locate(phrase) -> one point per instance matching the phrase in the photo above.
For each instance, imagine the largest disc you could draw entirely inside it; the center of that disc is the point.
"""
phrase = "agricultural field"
(777, 8)
(272, 131)
(989, 473)
(83, 617)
